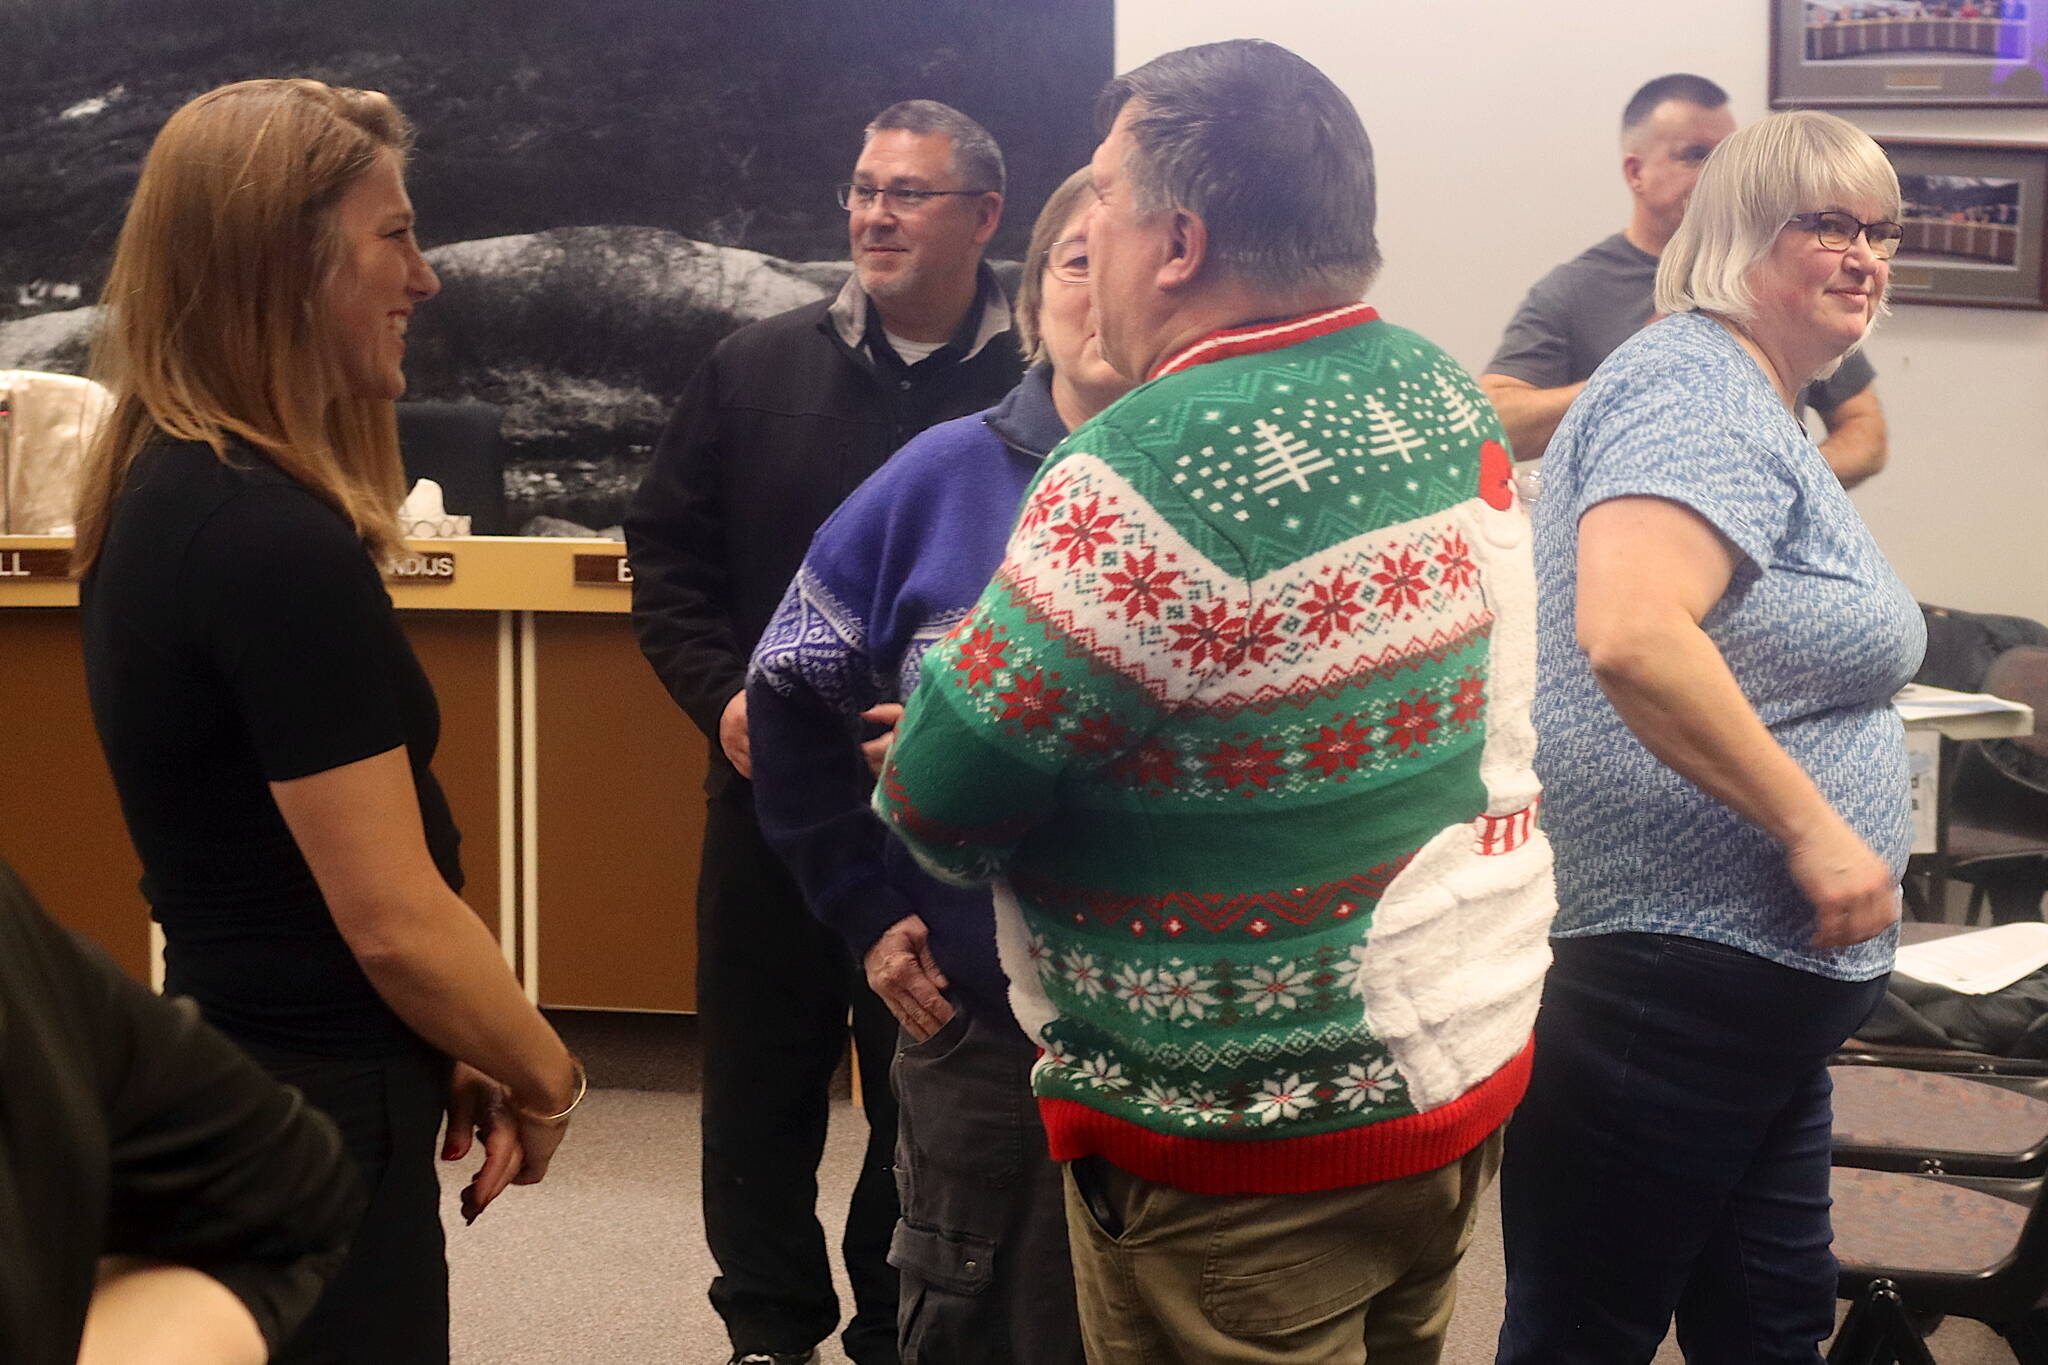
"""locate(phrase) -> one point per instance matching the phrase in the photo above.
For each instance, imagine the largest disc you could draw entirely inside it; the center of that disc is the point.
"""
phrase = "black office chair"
(1998, 799)
(460, 446)
(1940, 1161)
(1962, 647)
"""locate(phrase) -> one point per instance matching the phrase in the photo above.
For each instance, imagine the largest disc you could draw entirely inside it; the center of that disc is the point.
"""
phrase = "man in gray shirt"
(1592, 303)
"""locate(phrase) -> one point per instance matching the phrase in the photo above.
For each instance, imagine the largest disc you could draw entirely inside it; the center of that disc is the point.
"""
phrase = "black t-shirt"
(237, 634)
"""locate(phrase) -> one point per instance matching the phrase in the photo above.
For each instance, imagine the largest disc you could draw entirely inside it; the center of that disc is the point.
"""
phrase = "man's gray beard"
(895, 287)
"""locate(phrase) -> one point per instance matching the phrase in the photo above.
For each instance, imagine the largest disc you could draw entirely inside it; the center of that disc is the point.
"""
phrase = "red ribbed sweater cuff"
(1298, 1165)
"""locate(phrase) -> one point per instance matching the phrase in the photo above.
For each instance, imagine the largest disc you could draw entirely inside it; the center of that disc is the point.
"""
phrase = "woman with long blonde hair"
(268, 727)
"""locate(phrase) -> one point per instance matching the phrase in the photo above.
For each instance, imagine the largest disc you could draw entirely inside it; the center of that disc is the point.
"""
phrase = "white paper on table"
(1916, 701)
(1980, 962)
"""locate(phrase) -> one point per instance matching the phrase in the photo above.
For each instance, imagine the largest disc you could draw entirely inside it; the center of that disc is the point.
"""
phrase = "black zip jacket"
(774, 430)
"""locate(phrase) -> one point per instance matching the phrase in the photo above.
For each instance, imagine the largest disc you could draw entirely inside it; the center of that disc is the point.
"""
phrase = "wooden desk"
(575, 780)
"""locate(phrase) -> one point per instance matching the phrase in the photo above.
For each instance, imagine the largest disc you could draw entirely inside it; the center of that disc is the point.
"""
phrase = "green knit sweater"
(1240, 727)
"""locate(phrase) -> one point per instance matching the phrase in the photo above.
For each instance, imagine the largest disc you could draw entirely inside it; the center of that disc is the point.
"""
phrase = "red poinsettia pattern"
(1330, 608)
(981, 656)
(1256, 635)
(1403, 580)
(1337, 748)
(1031, 703)
(1455, 572)
(1234, 765)
(1413, 723)
(1141, 585)
(1469, 700)
(1209, 635)
(1097, 735)
(1084, 532)
(1154, 763)
(1045, 504)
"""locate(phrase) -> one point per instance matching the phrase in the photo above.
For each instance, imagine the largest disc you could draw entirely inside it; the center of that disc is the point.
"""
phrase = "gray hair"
(1795, 162)
(976, 158)
(1265, 150)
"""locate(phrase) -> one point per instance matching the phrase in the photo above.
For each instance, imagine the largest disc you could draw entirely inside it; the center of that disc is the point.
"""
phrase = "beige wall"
(1494, 122)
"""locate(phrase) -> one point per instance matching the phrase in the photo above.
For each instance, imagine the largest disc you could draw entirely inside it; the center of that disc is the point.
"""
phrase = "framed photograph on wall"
(1940, 52)
(1976, 220)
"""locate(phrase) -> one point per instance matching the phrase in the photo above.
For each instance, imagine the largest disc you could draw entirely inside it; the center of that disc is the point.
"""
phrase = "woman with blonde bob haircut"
(268, 728)
(1724, 783)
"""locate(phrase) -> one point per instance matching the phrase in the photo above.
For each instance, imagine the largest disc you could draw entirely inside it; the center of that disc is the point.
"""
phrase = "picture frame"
(1953, 53)
(1976, 220)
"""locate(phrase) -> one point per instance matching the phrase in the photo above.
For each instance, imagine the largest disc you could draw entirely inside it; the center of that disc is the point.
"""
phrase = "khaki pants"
(1337, 1277)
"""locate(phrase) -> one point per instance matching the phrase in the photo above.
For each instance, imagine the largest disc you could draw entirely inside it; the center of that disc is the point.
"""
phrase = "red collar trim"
(1270, 336)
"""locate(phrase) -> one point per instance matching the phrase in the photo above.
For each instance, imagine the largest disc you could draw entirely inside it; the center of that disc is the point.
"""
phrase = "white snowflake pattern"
(1372, 1084)
(1278, 987)
(1167, 1099)
(1187, 993)
(1202, 1106)
(1141, 990)
(1282, 1099)
(1101, 1073)
(1083, 973)
(1345, 974)
(1041, 958)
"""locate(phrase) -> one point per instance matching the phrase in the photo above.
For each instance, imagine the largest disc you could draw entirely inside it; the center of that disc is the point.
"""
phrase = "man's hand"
(876, 750)
(1854, 895)
(732, 734)
(901, 970)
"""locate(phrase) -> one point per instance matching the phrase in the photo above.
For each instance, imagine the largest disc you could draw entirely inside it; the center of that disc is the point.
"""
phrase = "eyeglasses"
(899, 201)
(1838, 230)
(1068, 260)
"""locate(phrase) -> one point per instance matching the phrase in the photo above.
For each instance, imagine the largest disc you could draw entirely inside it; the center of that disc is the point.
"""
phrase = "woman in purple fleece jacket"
(981, 1245)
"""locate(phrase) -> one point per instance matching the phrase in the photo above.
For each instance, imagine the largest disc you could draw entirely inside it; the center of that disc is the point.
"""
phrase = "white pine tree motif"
(1390, 435)
(1285, 459)
(1462, 414)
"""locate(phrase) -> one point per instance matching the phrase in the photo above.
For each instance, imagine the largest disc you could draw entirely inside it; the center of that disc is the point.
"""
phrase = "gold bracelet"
(582, 1089)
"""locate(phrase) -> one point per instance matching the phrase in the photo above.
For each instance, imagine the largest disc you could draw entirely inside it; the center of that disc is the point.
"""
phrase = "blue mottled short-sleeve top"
(1816, 627)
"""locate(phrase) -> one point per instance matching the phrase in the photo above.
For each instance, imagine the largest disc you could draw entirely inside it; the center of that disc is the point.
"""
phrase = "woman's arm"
(167, 1315)
(1649, 572)
(426, 952)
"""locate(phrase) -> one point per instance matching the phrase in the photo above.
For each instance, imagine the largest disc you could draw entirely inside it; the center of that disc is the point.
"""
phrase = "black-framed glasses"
(1837, 230)
(1068, 260)
(899, 201)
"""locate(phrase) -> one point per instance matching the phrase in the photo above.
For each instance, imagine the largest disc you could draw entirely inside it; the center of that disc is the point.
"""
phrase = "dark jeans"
(1671, 1158)
(773, 990)
(982, 1245)
(388, 1305)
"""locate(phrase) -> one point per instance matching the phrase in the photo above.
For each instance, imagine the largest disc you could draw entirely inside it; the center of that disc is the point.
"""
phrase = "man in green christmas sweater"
(1240, 730)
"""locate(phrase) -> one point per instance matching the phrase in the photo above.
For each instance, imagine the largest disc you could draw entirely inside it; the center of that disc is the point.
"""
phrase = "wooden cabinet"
(577, 784)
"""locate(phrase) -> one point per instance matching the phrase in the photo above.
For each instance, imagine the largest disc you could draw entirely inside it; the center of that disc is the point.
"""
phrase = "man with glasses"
(785, 419)
(1582, 310)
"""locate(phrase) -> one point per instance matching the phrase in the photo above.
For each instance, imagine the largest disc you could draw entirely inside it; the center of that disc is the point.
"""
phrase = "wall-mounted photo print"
(1976, 220)
(1942, 52)
(606, 187)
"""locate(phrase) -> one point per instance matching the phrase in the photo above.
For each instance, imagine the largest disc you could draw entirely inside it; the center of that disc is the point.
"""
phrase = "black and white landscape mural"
(606, 186)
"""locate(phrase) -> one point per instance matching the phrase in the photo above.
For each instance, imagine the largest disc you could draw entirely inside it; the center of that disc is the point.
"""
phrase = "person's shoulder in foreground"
(133, 1129)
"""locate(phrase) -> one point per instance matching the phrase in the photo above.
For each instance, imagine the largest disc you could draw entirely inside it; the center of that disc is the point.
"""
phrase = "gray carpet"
(604, 1264)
